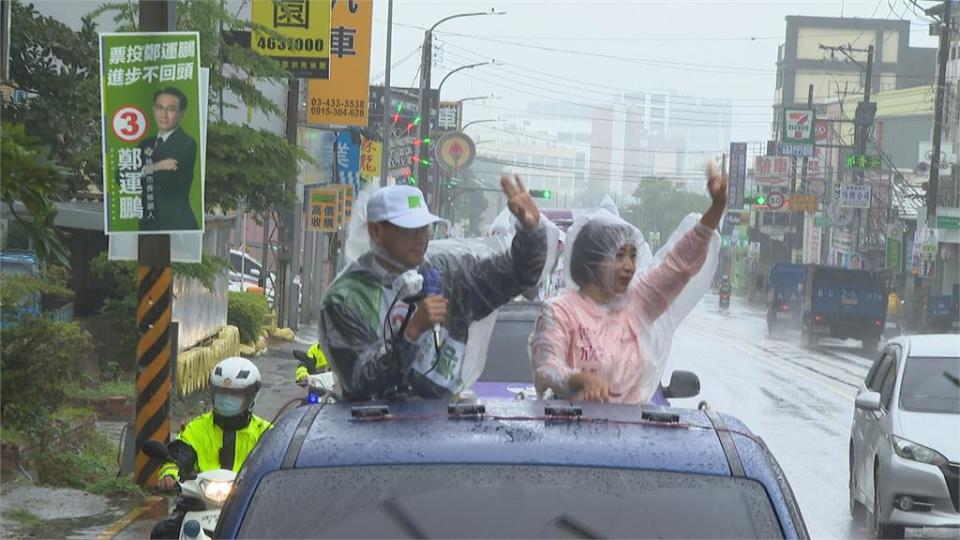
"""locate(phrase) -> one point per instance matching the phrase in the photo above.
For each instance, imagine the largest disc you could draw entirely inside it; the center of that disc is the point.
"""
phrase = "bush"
(247, 312)
(38, 356)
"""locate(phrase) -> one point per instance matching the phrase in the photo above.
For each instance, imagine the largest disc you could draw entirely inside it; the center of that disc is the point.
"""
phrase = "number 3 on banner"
(129, 124)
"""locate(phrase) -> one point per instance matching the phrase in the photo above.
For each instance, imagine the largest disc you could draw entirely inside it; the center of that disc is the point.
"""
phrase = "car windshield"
(931, 385)
(507, 354)
(484, 501)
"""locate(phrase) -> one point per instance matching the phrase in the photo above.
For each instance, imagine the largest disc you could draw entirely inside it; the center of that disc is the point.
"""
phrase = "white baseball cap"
(401, 205)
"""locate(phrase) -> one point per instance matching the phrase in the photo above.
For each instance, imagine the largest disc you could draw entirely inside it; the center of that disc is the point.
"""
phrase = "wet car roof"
(513, 432)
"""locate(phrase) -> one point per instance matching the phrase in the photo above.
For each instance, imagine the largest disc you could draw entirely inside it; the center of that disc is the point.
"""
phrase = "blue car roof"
(510, 432)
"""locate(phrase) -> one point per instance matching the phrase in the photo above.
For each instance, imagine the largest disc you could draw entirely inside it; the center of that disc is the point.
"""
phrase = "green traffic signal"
(541, 193)
(755, 199)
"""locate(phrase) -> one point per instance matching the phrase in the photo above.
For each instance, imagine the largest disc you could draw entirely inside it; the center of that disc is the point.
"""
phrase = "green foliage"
(20, 291)
(23, 517)
(106, 389)
(247, 312)
(662, 205)
(206, 17)
(120, 306)
(249, 162)
(242, 162)
(38, 356)
(58, 67)
(122, 486)
(28, 175)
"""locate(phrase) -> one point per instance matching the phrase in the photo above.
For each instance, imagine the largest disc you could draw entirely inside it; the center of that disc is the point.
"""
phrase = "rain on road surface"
(799, 400)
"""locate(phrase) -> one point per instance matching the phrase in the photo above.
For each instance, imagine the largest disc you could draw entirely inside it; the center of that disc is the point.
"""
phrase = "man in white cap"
(363, 310)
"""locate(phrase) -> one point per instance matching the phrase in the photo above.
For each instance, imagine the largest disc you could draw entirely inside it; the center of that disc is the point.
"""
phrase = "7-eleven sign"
(798, 126)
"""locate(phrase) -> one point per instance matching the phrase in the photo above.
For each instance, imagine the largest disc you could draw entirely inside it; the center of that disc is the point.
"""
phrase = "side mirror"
(254, 272)
(683, 384)
(156, 450)
(868, 401)
(301, 356)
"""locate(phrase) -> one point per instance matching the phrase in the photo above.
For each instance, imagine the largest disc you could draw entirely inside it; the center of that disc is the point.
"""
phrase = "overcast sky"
(703, 48)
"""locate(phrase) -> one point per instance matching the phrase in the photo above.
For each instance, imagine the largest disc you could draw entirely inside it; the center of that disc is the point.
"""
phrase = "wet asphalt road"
(799, 400)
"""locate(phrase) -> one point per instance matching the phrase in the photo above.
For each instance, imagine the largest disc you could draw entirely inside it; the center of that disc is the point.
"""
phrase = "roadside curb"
(151, 505)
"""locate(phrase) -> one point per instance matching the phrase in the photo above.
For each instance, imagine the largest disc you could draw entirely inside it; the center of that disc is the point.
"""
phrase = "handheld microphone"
(433, 286)
(408, 286)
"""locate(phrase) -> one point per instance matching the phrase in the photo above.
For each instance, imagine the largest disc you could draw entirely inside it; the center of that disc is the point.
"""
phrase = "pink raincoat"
(576, 334)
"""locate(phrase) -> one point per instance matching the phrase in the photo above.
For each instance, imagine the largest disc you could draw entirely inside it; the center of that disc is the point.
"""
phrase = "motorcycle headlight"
(216, 491)
(915, 452)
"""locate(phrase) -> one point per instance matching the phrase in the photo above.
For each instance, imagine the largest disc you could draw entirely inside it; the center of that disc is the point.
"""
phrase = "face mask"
(227, 404)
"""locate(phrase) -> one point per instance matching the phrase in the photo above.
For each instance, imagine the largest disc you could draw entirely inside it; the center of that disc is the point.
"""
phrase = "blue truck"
(843, 304)
(785, 295)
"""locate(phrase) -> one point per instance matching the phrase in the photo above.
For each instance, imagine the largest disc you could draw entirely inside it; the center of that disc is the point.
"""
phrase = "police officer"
(218, 439)
(318, 364)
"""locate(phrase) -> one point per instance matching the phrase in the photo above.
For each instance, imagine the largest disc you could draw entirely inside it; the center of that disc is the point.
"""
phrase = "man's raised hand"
(519, 201)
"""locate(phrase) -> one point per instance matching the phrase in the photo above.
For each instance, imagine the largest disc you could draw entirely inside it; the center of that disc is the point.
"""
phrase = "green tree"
(242, 162)
(662, 205)
(58, 69)
(29, 176)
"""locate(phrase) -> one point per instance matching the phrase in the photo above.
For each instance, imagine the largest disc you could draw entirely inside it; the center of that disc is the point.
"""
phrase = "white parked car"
(905, 440)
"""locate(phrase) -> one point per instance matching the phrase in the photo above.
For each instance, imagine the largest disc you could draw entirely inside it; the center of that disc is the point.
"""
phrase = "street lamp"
(461, 68)
(475, 98)
(468, 124)
(426, 64)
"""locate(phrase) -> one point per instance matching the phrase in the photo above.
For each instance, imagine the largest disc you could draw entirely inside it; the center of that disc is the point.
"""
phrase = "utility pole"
(944, 54)
(863, 121)
(802, 216)
(290, 231)
(385, 120)
(154, 306)
(423, 162)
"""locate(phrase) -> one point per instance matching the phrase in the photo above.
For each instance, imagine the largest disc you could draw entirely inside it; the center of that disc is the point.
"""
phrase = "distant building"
(801, 61)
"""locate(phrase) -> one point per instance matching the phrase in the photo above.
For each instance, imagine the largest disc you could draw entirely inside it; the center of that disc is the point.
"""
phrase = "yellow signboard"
(803, 203)
(370, 152)
(304, 49)
(323, 215)
(343, 98)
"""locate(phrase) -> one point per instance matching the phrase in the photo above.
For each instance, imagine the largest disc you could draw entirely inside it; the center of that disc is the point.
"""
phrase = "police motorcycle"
(207, 492)
(321, 387)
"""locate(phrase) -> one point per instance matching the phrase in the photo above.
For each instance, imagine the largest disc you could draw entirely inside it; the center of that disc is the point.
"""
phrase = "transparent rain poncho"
(627, 341)
(478, 274)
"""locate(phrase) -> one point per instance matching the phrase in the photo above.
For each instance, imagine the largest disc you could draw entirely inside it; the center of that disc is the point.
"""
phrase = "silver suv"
(905, 440)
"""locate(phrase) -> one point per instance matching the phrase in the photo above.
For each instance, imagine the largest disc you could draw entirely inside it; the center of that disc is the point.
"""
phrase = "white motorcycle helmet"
(234, 384)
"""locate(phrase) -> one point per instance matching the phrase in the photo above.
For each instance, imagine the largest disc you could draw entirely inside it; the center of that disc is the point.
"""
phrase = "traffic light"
(541, 193)
(755, 199)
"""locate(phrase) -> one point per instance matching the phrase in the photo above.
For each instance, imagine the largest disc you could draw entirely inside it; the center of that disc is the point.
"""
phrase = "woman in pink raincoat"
(608, 338)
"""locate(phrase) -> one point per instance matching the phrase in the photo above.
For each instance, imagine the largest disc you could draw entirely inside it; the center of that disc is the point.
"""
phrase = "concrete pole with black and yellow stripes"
(154, 306)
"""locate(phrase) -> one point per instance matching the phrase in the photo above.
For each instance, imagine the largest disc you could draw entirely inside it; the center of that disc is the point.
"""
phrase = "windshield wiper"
(403, 518)
(566, 521)
(952, 378)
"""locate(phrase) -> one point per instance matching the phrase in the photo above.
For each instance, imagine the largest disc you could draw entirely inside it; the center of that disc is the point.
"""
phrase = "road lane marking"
(128, 518)
(787, 366)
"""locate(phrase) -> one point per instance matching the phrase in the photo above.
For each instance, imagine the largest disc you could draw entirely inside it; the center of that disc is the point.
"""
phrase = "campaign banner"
(152, 120)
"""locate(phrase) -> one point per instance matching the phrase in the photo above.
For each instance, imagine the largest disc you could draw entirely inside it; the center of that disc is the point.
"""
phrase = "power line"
(589, 106)
(601, 147)
(673, 98)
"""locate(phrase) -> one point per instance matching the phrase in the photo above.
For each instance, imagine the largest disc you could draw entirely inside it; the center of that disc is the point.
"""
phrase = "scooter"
(210, 489)
(724, 300)
(320, 386)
